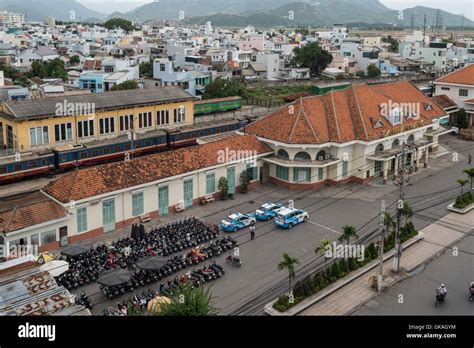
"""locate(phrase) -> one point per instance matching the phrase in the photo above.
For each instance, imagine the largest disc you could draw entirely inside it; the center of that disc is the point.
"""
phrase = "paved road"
(418, 291)
(330, 208)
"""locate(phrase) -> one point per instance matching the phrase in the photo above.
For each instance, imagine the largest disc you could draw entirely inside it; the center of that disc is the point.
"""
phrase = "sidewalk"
(202, 211)
(358, 292)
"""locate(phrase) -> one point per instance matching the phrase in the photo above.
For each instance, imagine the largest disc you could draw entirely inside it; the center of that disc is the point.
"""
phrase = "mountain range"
(262, 13)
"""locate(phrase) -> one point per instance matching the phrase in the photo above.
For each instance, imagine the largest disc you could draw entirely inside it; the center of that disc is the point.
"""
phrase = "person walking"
(470, 159)
(252, 231)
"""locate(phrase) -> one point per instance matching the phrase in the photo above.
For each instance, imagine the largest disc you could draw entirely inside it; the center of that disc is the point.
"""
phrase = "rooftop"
(36, 108)
(464, 76)
(98, 180)
(342, 116)
(36, 208)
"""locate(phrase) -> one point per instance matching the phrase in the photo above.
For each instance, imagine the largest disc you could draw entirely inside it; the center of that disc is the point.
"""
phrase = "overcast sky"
(453, 6)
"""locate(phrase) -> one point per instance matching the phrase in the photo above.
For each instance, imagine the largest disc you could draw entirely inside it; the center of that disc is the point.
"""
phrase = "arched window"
(283, 154)
(321, 155)
(379, 149)
(411, 139)
(396, 144)
(302, 156)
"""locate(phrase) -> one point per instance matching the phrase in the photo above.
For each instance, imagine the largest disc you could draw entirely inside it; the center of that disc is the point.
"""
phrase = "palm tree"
(189, 301)
(462, 182)
(289, 264)
(321, 249)
(348, 231)
(470, 174)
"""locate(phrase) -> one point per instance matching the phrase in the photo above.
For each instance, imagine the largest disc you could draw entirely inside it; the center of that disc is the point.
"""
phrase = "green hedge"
(339, 269)
(464, 200)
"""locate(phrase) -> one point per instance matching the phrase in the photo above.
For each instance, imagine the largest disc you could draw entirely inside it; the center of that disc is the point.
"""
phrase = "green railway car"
(210, 106)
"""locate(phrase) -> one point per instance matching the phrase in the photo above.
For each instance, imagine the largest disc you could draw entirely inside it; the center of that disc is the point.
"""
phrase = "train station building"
(350, 135)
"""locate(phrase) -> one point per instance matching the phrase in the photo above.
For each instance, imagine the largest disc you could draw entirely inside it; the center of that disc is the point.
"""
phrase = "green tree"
(393, 43)
(289, 263)
(373, 71)
(461, 119)
(462, 182)
(8, 71)
(360, 73)
(311, 56)
(189, 301)
(74, 60)
(129, 84)
(470, 173)
(223, 187)
(220, 88)
(348, 232)
(119, 23)
(146, 69)
(322, 246)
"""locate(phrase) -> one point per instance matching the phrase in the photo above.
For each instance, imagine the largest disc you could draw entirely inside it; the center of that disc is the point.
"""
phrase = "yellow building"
(34, 124)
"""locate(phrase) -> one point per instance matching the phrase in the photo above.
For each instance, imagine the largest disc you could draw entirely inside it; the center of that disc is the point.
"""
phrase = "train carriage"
(14, 168)
(208, 106)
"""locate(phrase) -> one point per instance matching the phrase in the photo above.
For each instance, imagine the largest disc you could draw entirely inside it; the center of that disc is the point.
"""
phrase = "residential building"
(459, 86)
(40, 54)
(11, 19)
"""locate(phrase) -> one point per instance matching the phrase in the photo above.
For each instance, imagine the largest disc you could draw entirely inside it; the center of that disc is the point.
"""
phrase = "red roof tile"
(98, 180)
(341, 116)
(464, 76)
(36, 213)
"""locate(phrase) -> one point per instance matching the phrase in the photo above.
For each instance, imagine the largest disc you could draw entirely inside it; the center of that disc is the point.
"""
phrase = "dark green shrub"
(298, 289)
(353, 264)
(318, 281)
(344, 267)
(373, 251)
(335, 271)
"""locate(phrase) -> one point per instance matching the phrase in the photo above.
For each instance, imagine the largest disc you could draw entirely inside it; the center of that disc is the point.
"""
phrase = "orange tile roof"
(444, 101)
(464, 76)
(36, 213)
(93, 181)
(341, 116)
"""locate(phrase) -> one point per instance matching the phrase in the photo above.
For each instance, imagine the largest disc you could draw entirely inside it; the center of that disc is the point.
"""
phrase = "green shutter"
(345, 168)
(81, 220)
(137, 204)
(163, 200)
(188, 193)
(210, 183)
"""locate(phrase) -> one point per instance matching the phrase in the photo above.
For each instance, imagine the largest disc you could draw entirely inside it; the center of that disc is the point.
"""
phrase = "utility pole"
(401, 195)
(381, 245)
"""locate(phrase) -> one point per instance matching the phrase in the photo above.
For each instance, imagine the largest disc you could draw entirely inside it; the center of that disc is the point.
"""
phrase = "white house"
(459, 86)
(41, 54)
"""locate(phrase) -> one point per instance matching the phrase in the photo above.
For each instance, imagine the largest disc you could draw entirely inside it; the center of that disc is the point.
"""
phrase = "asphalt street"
(329, 209)
(418, 291)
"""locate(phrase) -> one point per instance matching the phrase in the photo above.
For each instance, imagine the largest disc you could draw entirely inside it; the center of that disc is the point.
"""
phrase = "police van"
(289, 217)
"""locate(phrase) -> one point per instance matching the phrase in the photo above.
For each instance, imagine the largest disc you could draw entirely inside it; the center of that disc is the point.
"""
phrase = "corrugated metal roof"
(32, 108)
(33, 292)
